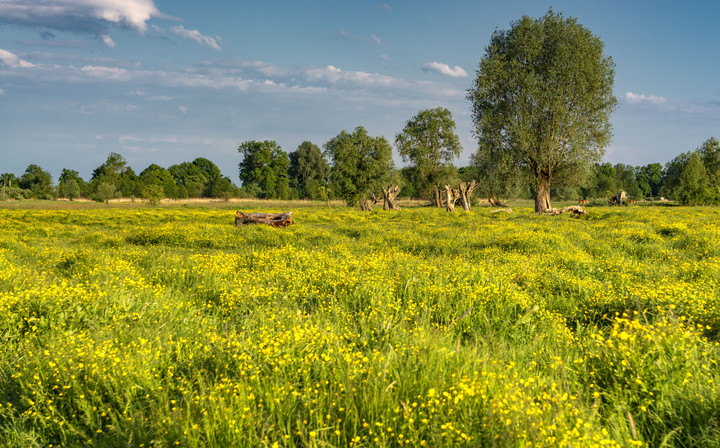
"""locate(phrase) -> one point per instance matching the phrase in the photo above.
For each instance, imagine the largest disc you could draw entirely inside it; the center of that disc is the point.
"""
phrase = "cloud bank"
(444, 69)
(11, 60)
(93, 17)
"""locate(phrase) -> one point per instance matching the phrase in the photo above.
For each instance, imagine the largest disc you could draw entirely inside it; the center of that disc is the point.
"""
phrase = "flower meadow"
(163, 327)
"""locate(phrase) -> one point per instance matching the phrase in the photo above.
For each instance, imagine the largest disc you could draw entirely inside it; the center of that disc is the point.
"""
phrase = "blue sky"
(161, 81)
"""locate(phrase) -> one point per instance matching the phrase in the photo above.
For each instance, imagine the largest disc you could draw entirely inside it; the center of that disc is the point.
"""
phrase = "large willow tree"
(541, 104)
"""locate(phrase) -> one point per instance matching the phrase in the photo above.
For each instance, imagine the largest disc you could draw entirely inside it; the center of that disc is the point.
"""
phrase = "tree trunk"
(389, 196)
(452, 195)
(436, 196)
(365, 205)
(273, 219)
(542, 195)
(465, 193)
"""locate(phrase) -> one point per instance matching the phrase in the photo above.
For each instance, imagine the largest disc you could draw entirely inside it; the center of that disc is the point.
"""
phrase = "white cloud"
(12, 61)
(243, 76)
(93, 17)
(385, 7)
(183, 109)
(196, 36)
(444, 69)
(635, 98)
(2, 91)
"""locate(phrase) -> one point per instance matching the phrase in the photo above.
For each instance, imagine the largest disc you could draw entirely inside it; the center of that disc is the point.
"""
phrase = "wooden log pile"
(273, 219)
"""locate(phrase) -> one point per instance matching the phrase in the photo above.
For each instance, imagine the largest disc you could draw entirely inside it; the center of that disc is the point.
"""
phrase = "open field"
(136, 326)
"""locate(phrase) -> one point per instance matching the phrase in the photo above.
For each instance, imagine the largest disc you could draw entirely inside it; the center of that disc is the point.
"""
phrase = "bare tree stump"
(619, 198)
(437, 196)
(575, 210)
(451, 197)
(273, 219)
(389, 195)
(465, 193)
(365, 205)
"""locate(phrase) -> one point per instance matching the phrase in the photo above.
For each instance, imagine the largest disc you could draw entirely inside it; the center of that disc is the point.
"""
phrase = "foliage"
(170, 327)
(116, 172)
(360, 164)
(38, 181)
(541, 103)
(154, 193)
(68, 175)
(309, 170)
(69, 189)
(429, 142)
(693, 185)
(105, 191)
(265, 165)
(157, 175)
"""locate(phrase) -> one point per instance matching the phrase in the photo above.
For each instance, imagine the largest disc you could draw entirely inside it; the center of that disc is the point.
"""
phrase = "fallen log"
(273, 219)
(506, 210)
(495, 202)
(575, 210)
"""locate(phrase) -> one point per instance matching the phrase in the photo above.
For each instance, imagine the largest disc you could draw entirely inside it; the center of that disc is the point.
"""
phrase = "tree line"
(541, 103)
(355, 165)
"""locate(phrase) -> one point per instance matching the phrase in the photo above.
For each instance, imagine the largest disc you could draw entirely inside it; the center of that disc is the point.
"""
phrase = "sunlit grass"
(168, 326)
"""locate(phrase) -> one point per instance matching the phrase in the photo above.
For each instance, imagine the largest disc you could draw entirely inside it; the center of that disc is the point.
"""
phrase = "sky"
(167, 81)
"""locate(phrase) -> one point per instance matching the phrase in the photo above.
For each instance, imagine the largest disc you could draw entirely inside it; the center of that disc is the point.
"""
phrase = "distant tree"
(649, 178)
(541, 103)
(429, 142)
(211, 173)
(626, 180)
(38, 181)
(69, 189)
(189, 179)
(265, 165)
(671, 174)
(154, 193)
(9, 188)
(67, 175)
(111, 170)
(105, 191)
(360, 164)
(605, 182)
(308, 170)
(8, 179)
(694, 183)
(115, 171)
(710, 154)
(157, 175)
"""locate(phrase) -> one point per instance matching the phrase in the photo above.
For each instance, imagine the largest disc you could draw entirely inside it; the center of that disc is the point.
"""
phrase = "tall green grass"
(170, 327)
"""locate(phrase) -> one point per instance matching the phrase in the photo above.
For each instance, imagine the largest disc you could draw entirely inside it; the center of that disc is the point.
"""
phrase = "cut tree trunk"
(465, 193)
(542, 195)
(389, 195)
(273, 219)
(575, 210)
(365, 205)
(451, 197)
(436, 196)
(619, 198)
(495, 202)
